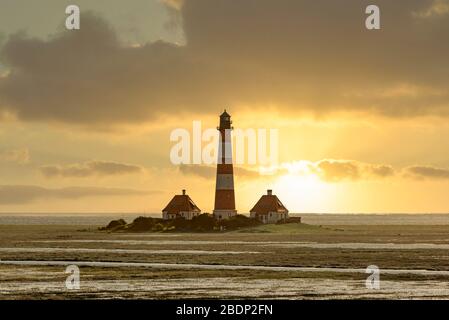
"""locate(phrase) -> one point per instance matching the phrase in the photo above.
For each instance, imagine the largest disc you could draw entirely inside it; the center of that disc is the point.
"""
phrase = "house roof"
(180, 202)
(268, 203)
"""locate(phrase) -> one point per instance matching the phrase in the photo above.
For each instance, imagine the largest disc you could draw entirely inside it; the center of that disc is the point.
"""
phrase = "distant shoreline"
(314, 219)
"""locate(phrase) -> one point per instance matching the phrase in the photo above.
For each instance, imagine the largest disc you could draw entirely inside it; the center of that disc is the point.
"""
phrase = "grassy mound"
(202, 223)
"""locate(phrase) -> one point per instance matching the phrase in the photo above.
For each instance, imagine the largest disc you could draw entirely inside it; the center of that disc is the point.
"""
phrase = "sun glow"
(303, 192)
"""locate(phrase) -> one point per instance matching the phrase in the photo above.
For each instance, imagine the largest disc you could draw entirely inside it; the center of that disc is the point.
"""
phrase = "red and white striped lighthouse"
(224, 190)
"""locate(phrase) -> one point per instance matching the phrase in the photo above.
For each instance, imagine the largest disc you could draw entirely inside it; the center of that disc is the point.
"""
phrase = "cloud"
(339, 170)
(426, 172)
(209, 172)
(91, 168)
(332, 170)
(290, 55)
(327, 170)
(381, 170)
(437, 8)
(20, 156)
(22, 194)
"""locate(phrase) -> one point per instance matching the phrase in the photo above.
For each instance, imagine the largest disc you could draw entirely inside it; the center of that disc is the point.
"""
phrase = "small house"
(269, 209)
(181, 206)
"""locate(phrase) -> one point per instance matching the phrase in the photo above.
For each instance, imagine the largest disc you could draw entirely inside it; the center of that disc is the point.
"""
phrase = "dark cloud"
(381, 170)
(334, 171)
(299, 55)
(328, 170)
(339, 170)
(427, 172)
(91, 168)
(22, 194)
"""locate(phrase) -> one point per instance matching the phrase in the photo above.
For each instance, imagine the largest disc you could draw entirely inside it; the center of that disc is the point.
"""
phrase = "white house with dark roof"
(181, 206)
(269, 209)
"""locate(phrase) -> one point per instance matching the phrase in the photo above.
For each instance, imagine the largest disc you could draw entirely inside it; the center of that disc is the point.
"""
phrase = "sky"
(86, 115)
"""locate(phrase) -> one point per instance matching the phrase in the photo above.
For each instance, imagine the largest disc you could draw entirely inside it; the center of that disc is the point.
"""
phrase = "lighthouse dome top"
(225, 114)
(225, 121)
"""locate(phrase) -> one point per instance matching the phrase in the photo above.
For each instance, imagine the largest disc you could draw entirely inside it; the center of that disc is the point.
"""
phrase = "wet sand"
(289, 261)
(107, 264)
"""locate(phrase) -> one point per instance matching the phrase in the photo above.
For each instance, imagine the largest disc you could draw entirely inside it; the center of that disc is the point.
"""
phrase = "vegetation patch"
(201, 223)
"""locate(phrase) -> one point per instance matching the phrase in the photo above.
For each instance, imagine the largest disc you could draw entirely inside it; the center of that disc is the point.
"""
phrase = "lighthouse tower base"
(224, 214)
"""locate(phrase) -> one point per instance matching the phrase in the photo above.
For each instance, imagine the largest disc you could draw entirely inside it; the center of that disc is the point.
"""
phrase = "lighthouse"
(224, 207)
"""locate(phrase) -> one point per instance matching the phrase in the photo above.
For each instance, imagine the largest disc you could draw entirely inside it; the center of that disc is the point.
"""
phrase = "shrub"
(115, 225)
(141, 224)
(203, 222)
(293, 220)
(158, 227)
(181, 224)
(239, 221)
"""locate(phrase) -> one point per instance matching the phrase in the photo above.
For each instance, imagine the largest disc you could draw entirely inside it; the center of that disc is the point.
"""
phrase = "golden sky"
(86, 115)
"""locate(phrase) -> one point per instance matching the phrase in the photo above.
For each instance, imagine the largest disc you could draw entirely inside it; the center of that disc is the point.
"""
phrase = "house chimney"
(269, 192)
(183, 192)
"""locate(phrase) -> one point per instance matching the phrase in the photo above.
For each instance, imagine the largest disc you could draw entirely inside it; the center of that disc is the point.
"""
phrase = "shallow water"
(376, 219)
(360, 245)
(61, 219)
(132, 251)
(286, 244)
(293, 288)
(316, 219)
(110, 264)
(161, 242)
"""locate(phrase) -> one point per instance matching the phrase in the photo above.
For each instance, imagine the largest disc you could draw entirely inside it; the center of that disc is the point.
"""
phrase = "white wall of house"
(224, 214)
(167, 216)
(188, 215)
(270, 217)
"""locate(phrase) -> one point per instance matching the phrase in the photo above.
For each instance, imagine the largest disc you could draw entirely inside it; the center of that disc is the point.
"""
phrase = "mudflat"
(293, 261)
